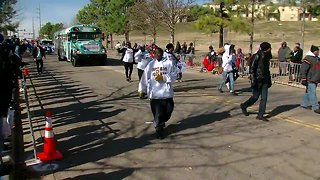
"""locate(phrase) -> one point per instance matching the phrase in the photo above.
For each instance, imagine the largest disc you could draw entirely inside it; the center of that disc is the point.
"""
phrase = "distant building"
(289, 13)
(282, 13)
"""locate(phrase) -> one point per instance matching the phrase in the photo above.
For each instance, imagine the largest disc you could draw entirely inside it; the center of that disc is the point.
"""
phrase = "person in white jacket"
(142, 57)
(227, 64)
(128, 61)
(156, 82)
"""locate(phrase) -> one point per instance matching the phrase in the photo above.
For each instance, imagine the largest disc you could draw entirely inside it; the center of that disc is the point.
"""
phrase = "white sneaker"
(228, 86)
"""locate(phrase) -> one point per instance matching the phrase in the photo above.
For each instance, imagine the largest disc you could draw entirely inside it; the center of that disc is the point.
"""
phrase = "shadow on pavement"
(114, 62)
(197, 121)
(282, 108)
(119, 174)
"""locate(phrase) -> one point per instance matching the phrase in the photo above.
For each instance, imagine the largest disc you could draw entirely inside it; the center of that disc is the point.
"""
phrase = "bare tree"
(171, 12)
(145, 18)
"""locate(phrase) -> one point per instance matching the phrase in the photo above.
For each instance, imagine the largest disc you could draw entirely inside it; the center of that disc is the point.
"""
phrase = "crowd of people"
(11, 51)
(11, 64)
(158, 69)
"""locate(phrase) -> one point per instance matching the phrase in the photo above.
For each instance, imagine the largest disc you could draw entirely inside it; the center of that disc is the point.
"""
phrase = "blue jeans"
(255, 96)
(224, 78)
(310, 97)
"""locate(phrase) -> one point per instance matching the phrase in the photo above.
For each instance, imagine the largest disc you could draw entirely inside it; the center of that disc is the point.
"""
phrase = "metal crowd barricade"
(26, 98)
(286, 73)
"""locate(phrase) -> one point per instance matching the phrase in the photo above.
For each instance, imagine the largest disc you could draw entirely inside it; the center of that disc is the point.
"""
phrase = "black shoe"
(317, 111)
(244, 110)
(234, 93)
(160, 132)
(128, 79)
(309, 108)
(220, 90)
(262, 119)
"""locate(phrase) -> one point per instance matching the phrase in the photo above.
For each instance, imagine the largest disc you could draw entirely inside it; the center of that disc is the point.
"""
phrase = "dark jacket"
(177, 50)
(6, 79)
(260, 70)
(211, 56)
(310, 68)
(296, 57)
(35, 52)
(190, 50)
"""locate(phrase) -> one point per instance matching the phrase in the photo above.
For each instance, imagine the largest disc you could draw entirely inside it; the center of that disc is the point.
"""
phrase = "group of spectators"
(11, 50)
(11, 64)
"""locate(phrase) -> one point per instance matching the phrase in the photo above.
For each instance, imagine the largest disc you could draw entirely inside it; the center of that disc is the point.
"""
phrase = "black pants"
(39, 65)
(128, 69)
(179, 76)
(140, 72)
(5, 96)
(161, 110)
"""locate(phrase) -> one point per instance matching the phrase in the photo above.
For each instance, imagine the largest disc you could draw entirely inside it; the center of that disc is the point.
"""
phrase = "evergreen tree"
(7, 13)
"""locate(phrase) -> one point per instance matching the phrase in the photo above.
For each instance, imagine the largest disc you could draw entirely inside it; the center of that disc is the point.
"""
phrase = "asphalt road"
(103, 129)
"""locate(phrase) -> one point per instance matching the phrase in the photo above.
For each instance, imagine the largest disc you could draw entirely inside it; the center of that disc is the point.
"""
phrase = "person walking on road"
(169, 54)
(142, 57)
(128, 60)
(260, 80)
(310, 74)
(228, 59)
(156, 82)
(38, 54)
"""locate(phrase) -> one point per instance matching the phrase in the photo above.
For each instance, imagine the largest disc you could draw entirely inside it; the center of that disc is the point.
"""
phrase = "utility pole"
(39, 16)
(33, 31)
(303, 23)
(221, 27)
(252, 25)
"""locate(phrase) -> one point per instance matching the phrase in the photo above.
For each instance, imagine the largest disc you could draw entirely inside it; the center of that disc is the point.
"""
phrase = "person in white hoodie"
(142, 57)
(128, 61)
(227, 61)
(156, 82)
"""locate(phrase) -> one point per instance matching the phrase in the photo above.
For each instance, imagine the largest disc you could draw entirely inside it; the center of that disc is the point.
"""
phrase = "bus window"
(85, 36)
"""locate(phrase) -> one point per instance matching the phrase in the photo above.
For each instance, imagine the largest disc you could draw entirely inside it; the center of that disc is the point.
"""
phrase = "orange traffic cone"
(49, 147)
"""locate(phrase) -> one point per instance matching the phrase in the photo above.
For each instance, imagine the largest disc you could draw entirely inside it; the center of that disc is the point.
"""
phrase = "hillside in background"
(273, 32)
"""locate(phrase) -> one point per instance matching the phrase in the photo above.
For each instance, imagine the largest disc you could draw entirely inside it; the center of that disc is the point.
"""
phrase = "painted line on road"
(285, 118)
(301, 123)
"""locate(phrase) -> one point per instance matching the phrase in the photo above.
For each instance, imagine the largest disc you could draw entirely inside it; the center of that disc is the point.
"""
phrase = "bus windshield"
(85, 36)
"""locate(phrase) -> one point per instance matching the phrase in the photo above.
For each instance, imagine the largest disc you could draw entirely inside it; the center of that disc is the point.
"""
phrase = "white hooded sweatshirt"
(158, 89)
(142, 58)
(227, 59)
(128, 56)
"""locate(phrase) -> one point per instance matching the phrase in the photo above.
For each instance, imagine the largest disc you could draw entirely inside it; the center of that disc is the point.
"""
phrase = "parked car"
(48, 45)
